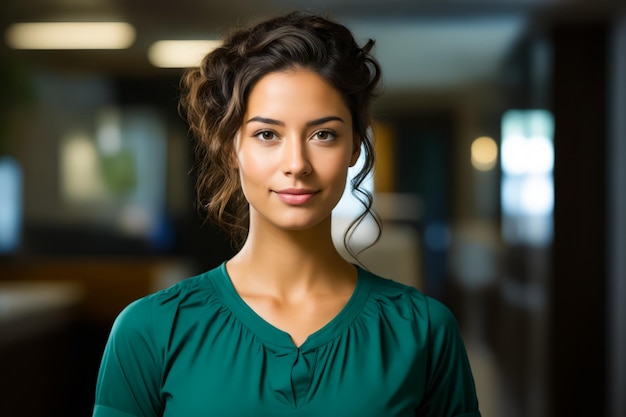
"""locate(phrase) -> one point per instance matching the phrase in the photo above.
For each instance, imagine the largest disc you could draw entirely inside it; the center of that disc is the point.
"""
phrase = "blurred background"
(501, 140)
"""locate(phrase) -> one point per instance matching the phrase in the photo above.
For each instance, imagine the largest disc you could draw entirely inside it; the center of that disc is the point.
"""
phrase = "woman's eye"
(324, 135)
(266, 135)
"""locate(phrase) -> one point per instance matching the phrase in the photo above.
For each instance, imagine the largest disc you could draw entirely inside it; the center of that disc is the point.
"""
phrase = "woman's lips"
(295, 196)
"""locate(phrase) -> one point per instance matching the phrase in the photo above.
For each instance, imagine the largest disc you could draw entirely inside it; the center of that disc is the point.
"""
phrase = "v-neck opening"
(275, 336)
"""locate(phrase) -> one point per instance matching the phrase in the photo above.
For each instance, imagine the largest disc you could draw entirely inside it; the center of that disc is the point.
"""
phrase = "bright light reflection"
(527, 188)
(540, 154)
(511, 196)
(537, 195)
(70, 35)
(484, 153)
(520, 155)
(530, 195)
(180, 54)
(514, 155)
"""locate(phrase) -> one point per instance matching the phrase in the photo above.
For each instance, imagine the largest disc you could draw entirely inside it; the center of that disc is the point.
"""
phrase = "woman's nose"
(295, 158)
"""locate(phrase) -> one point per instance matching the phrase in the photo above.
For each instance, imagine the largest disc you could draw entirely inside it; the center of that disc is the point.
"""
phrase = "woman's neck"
(287, 263)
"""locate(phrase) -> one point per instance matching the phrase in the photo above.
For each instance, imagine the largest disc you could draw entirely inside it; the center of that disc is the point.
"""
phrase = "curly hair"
(214, 96)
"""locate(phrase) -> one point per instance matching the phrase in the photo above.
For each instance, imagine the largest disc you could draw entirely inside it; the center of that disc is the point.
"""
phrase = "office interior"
(500, 134)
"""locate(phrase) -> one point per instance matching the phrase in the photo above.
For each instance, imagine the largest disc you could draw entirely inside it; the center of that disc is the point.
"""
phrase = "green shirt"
(197, 349)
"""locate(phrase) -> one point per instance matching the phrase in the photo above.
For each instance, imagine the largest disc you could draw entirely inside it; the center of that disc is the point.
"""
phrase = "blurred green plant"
(119, 172)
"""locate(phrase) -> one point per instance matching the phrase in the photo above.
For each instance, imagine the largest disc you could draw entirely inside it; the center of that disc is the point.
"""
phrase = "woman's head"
(215, 97)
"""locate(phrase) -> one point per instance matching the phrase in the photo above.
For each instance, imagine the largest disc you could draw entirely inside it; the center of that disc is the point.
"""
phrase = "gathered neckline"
(272, 335)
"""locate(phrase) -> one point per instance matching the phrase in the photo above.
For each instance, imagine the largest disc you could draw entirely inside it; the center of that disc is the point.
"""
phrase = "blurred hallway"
(500, 179)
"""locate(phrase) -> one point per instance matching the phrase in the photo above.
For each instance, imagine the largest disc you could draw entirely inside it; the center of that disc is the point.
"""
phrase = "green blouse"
(197, 349)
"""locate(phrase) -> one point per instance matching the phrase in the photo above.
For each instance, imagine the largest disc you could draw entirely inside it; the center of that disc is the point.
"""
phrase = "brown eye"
(324, 135)
(266, 135)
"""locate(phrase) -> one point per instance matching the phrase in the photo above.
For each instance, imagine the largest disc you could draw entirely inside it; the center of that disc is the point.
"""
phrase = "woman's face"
(294, 149)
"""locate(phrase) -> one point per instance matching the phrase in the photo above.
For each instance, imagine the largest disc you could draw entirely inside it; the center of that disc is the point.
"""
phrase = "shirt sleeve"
(129, 379)
(450, 390)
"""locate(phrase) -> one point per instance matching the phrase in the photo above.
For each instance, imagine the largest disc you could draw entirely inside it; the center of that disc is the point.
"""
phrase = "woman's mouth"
(295, 196)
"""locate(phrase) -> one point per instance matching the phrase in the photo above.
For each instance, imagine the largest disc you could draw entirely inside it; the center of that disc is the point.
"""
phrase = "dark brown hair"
(214, 98)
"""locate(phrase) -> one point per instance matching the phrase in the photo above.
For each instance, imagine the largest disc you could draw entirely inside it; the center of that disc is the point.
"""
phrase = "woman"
(286, 327)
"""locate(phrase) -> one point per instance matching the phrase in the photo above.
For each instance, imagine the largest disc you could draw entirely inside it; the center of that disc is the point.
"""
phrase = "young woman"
(286, 327)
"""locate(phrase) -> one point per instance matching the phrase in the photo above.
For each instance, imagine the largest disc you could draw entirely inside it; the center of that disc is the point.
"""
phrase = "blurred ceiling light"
(484, 153)
(180, 53)
(70, 35)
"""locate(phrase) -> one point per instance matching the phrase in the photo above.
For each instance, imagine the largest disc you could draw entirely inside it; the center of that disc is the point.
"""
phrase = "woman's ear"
(356, 150)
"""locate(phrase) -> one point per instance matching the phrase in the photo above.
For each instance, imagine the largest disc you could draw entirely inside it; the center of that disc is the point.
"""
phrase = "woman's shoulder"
(163, 305)
(409, 302)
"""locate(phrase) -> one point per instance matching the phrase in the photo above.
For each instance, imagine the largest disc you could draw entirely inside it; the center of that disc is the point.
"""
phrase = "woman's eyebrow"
(323, 120)
(266, 120)
(315, 122)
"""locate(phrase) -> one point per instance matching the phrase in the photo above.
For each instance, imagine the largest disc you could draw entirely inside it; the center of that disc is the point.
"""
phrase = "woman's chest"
(349, 376)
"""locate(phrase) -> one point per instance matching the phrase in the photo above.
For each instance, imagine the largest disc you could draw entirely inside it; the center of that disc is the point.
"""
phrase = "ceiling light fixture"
(70, 35)
(180, 53)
